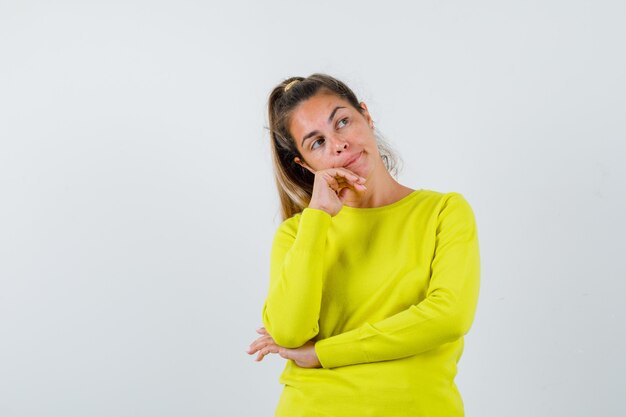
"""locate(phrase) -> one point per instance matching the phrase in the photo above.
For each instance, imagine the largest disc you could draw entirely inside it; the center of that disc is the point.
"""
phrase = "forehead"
(313, 113)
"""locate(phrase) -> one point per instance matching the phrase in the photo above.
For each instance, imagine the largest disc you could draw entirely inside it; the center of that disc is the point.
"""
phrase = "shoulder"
(441, 198)
(454, 213)
(436, 201)
(444, 207)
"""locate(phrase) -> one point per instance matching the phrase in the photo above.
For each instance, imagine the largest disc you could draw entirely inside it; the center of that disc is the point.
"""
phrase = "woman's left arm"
(443, 316)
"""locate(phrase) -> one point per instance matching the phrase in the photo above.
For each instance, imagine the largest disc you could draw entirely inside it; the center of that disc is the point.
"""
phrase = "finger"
(343, 193)
(338, 182)
(344, 183)
(266, 351)
(263, 352)
(352, 184)
(343, 175)
(261, 330)
(346, 173)
(339, 178)
(260, 343)
(331, 181)
(338, 173)
(261, 339)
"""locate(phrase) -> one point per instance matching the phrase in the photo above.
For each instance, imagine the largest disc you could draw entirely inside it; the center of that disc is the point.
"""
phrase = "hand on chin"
(349, 196)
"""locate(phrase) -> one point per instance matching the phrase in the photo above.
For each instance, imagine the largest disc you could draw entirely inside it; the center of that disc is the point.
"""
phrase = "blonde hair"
(295, 183)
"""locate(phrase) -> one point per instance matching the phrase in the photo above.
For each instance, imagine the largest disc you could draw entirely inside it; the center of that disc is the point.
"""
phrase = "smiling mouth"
(353, 160)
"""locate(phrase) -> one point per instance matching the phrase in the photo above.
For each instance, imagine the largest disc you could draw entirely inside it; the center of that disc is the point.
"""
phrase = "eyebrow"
(315, 132)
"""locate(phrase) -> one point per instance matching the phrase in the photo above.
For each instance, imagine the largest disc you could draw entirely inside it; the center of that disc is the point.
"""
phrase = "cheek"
(368, 140)
(319, 162)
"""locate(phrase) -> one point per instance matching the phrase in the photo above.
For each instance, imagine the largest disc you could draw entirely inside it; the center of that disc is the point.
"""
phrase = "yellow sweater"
(387, 293)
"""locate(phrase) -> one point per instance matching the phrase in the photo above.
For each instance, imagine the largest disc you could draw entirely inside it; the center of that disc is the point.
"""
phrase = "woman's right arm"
(292, 307)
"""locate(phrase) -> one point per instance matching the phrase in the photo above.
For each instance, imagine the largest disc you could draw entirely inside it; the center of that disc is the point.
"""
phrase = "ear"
(366, 114)
(303, 164)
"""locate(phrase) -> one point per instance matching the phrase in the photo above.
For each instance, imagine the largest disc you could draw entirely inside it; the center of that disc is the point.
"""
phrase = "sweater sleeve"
(292, 307)
(445, 314)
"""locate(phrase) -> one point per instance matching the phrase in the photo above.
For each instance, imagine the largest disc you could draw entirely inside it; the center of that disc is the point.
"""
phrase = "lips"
(352, 160)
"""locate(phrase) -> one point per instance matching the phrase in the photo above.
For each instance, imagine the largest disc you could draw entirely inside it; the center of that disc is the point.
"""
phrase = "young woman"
(372, 284)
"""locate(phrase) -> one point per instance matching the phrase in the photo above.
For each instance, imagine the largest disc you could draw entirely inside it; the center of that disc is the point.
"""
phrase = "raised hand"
(332, 187)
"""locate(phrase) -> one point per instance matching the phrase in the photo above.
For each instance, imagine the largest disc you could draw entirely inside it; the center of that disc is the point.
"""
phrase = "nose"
(340, 146)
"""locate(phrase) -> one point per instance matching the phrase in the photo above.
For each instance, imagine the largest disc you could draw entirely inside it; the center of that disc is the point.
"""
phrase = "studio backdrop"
(138, 203)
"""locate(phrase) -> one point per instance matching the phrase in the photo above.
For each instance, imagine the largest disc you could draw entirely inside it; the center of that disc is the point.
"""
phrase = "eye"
(341, 123)
(317, 143)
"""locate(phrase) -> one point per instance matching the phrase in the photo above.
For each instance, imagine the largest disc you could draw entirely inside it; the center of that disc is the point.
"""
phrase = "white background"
(138, 204)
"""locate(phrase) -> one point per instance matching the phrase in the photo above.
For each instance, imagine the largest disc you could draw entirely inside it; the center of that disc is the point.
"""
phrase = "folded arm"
(443, 316)
(292, 308)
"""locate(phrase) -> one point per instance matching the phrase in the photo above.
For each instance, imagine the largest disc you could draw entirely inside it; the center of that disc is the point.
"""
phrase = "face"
(330, 133)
